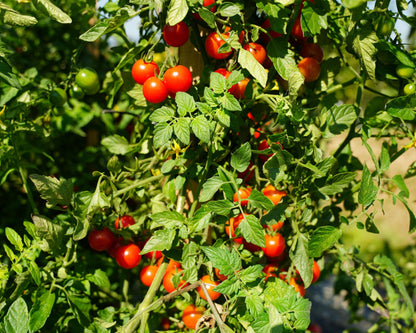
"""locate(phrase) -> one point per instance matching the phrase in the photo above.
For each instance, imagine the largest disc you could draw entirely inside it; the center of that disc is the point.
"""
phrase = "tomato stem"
(138, 184)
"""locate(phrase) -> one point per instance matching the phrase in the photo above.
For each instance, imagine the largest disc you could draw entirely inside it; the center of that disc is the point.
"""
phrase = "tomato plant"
(155, 90)
(178, 78)
(210, 285)
(309, 68)
(147, 274)
(275, 245)
(191, 315)
(101, 240)
(257, 50)
(213, 42)
(124, 221)
(128, 256)
(87, 79)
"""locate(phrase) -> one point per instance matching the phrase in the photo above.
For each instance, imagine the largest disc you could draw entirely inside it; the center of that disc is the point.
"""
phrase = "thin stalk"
(138, 184)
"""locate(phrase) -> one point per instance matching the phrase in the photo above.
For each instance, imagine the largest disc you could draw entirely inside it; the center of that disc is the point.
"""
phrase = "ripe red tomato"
(309, 68)
(165, 323)
(316, 272)
(315, 328)
(271, 270)
(168, 282)
(178, 78)
(113, 249)
(101, 240)
(173, 265)
(176, 35)
(142, 70)
(124, 222)
(257, 50)
(247, 174)
(298, 286)
(210, 285)
(250, 246)
(147, 274)
(275, 245)
(191, 315)
(153, 254)
(263, 146)
(297, 31)
(244, 193)
(273, 194)
(312, 50)
(231, 226)
(154, 90)
(128, 256)
(222, 277)
(240, 88)
(213, 43)
(265, 38)
(274, 227)
(207, 3)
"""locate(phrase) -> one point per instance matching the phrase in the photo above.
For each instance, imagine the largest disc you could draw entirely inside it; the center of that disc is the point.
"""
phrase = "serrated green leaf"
(117, 144)
(217, 83)
(364, 46)
(17, 317)
(210, 187)
(182, 129)
(162, 134)
(368, 191)
(312, 22)
(163, 114)
(14, 238)
(55, 191)
(167, 219)
(229, 286)
(301, 260)
(201, 128)
(99, 278)
(185, 103)
(323, 239)
(240, 159)
(252, 231)
(13, 17)
(282, 58)
(227, 262)
(400, 183)
(259, 200)
(337, 183)
(229, 9)
(201, 219)
(340, 118)
(41, 309)
(251, 273)
(50, 232)
(254, 303)
(247, 61)
(230, 103)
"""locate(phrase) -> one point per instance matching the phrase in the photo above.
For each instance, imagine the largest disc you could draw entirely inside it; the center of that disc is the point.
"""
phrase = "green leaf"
(217, 83)
(201, 219)
(229, 286)
(17, 317)
(35, 272)
(229, 9)
(177, 11)
(312, 22)
(254, 303)
(162, 134)
(50, 232)
(402, 107)
(210, 187)
(368, 191)
(400, 54)
(230, 103)
(53, 11)
(251, 273)
(227, 262)
(240, 159)
(98, 200)
(14, 238)
(99, 278)
(160, 241)
(185, 102)
(340, 118)
(163, 114)
(282, 58)
(337, 183)
(301, 260)
(384, 159)
(41, 309)
(117, 144)
(182, 130)
(252, 231)
(221, 207)
(223, 117)
(323, 238)
(167, 219)
(247, 61)
(9, 16)
(259, 200)
(400, 183)
(364, 46)
(81, 307)
(201, 128)
(55, 191)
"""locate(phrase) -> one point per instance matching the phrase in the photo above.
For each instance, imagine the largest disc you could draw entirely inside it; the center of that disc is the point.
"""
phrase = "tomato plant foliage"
(172, 156)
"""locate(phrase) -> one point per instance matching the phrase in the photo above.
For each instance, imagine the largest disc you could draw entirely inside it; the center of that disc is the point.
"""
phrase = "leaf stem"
(138, 184)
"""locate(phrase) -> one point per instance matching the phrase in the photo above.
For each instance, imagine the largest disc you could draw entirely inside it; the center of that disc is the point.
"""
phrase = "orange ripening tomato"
(273, 194)
(316, 272)
(147, 274)
(124, 221)
(222, 277)
(232, 225)
(298, 287)
(191, 315)
(312, 50)
(168, 280)
(310, 69)
(297, 31)
(210, 285)
(257, 50)
(244, 193)
(239, 89)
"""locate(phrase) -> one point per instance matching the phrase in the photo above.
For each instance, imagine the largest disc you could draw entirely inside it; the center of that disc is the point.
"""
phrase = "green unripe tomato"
(385, 25)
(58, 97)
(404, 72)
(76, 92)
(87, 79)
(409, 89)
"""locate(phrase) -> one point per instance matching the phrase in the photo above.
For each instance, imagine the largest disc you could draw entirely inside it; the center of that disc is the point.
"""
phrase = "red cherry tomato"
(176, 35)
(113, 249)
(232, 225)
(247, 174)
(101, 240)
(273, 194)
(165, 323)
(312, 50)
(240, 88)
(142, 70)
(207, 3)
(178, 78)
(213, 43)
(271, 270)
(128, 256)
(315, 328)
(147, 274)
(297, 31)
(275, 245)
(263, 146)
(298, 287)
(210, 285)
(124, 222)
(257, 50)
(309, 68)
(244, 193)
(154, 90)
(316, 272)
(274, 227)
(191, 315)
(222, 277)
(168, 282)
